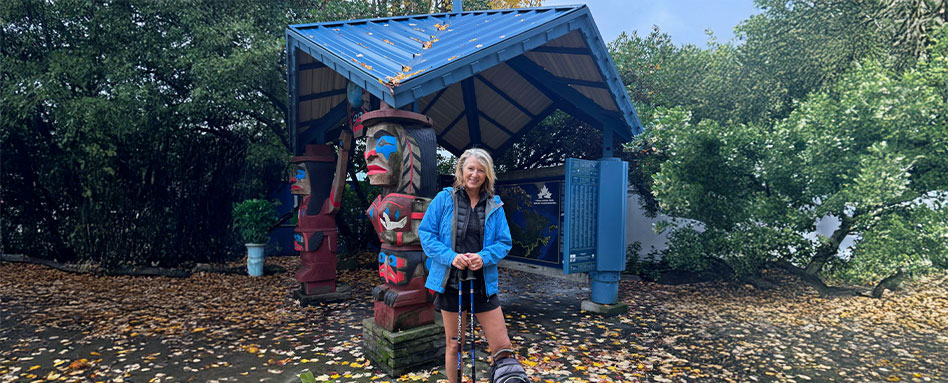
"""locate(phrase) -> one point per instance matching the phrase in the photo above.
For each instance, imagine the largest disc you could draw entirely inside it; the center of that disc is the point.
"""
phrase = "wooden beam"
(562, 50)
(504, 95)
(312, 65)
(316, 96)
(319, 126)
(497, 124)
(565, 98)
(451, 125)
(526, 128)
(470, 108)
(433, 101)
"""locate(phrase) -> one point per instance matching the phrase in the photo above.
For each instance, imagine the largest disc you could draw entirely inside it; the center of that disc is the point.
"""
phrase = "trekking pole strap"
(494, 357)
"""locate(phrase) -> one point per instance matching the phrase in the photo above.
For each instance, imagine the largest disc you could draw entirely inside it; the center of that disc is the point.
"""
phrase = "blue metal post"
(291, 87)
(610, 247)
(607, 141)
(458, 6)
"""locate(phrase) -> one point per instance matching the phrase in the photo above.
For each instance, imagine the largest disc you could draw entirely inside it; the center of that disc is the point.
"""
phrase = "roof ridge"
(432, 15)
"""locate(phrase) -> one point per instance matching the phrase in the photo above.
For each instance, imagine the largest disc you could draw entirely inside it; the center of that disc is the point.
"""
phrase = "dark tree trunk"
(891, 282)
(829, 249)
(814, 281)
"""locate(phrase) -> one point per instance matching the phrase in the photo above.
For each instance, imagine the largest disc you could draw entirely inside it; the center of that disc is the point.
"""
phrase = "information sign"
(580, 216)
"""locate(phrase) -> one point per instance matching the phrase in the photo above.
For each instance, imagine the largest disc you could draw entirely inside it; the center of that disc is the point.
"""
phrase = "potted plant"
(253, 220)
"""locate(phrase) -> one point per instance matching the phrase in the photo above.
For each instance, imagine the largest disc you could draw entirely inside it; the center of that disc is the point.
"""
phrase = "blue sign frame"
(581, 216)
(527, 202)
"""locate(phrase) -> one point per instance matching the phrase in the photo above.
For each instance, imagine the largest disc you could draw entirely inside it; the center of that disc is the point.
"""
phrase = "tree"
(129, 128)
(789, 50)
(872, 151)
(912, 23)
(801, 46)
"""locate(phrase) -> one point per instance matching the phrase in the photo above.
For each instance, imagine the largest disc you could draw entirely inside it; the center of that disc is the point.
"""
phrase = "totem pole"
(395, 144)
(316, 235)
(400, 157)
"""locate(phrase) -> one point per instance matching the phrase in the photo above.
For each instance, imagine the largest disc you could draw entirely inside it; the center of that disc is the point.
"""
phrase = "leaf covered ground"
(59, 326)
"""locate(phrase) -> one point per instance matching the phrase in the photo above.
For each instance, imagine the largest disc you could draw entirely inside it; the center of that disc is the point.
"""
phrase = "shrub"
(253, 220)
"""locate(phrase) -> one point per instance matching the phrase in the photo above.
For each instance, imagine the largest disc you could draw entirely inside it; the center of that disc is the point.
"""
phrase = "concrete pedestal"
(400, 352)
(605, 310)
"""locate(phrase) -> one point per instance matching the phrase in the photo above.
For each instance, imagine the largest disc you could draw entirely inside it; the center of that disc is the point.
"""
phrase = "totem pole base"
(341, 294)
(404, 317)
(401, 352)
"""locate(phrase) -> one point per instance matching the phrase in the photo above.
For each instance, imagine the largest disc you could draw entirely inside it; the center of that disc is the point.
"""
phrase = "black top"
(470, 235)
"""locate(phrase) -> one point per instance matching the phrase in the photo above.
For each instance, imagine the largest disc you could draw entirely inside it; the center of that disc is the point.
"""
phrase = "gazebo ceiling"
(484, 77)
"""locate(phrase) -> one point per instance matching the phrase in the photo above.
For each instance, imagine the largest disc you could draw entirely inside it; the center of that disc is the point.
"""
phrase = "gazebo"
(484, 77)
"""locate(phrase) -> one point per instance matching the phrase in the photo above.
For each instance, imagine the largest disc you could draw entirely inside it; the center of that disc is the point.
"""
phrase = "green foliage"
(801, 46)
(307, 377)
(632, 256)
(912, 24)
(869, 150)
(913, 240)
(650, 267)
(253, 220)
(778, 58)
(447, 163)
(713, 82)
(550, 143)
(359, 232)
(130, 128)
(789, 50)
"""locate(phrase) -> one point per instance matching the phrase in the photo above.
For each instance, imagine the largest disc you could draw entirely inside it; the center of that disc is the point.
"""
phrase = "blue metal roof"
(513, 66)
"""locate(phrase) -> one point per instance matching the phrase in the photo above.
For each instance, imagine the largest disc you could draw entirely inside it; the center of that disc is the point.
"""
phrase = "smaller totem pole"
(400, 157)
(316, 235)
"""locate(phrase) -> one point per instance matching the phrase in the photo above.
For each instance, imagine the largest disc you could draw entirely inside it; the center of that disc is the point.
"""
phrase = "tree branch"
(273, 125)
(814, 281)
(891, 282)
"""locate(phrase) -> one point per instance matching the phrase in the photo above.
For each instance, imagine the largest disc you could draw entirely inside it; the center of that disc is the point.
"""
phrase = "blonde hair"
(484, 158)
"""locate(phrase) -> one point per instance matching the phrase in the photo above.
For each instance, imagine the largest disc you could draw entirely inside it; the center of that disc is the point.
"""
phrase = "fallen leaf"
(79, 364)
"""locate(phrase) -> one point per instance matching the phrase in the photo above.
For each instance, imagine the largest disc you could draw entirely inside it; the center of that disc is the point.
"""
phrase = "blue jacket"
(437, 231)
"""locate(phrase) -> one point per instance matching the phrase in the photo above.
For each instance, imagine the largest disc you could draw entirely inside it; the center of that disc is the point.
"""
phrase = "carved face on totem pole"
(313, 174)
(299, 180)
(395, 152)
(393, 158)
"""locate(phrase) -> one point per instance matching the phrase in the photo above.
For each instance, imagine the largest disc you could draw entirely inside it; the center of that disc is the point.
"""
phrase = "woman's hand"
(461, 262)
(474, 260)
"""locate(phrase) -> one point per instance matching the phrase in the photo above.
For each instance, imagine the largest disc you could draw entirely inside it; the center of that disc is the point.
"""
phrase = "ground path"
(56, 326)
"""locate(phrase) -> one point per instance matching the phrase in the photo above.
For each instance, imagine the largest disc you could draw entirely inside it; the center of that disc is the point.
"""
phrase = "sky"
(684, 20)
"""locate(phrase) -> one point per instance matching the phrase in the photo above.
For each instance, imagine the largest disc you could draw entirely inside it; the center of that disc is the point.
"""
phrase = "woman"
(464, 233)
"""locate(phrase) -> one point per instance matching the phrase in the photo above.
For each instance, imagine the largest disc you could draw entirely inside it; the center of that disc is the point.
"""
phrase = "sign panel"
(580, 216)
(533, 210)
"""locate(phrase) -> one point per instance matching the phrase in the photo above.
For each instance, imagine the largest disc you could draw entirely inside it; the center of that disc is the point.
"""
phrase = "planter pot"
(255, 259)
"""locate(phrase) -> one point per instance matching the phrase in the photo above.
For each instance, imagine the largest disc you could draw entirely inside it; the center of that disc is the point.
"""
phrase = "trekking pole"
(460, 317)
(473, 371)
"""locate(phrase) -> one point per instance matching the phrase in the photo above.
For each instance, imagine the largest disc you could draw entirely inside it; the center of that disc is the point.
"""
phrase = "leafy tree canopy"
(129, 128)
(869, 150)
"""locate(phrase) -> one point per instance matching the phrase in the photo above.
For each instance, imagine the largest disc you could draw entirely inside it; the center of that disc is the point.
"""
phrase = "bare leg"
(495, 328)
(451, 346)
